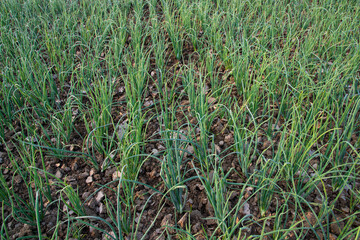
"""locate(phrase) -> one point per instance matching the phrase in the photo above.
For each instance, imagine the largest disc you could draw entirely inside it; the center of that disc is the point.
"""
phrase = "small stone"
(318, 200)
(91, 203)
(210, 221)
(228, 138)
(345, 209)
(161, 147)
(70, 179)
(211, 176)
(107, 237)
(154, 151)
(92, 230)
(100, 196)
(218, 149)
(85, 195)
(116, 175)
(101, 208)
(74, 167)
(310, 218)
(166, 220)
(190, 149)
(18, 179)
(92, 171)
(200, 186)
(221, 143)
(148, 103)
(211, 100)
(89, 180)
(196, 228)
(246, 207)
(83, 175)
(276, 127)
(122, 129)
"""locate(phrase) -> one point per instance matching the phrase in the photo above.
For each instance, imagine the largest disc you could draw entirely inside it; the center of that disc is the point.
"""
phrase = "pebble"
(228, 138)
(58, 174)
(166, 220)
(246, 208)
(197, 227)
(100, 196)
(85, 195)
(91, 230)
(218, 149)
(148, 103)
(345, 209)
(17, 179)
(161, 147)
(190, 149)
(107, 237)
(74, 167)
(70, 178)
(211, 100)
(116, 175)
(89, 180)
(101, 208)
(92, 203)
(83, 175)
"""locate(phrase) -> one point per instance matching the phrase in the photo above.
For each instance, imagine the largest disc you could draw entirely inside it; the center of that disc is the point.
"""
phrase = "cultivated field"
(179, 119)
